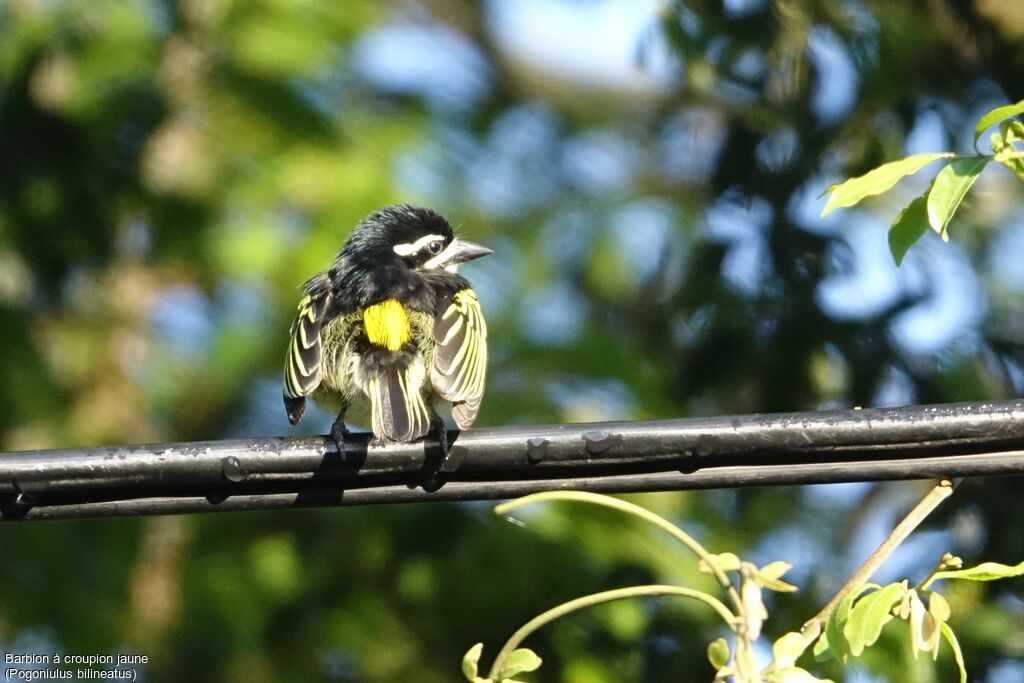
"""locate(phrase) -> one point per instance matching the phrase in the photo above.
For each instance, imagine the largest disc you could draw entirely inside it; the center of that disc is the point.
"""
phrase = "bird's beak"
(458, 251)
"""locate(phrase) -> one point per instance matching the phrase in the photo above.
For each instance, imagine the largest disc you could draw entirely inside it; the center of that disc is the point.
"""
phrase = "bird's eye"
(435, 248)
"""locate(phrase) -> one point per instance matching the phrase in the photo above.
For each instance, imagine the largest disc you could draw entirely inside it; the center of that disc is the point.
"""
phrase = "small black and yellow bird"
(390, 327)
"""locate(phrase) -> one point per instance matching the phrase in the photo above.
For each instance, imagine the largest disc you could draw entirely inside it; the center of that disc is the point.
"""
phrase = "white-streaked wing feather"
(459, 369)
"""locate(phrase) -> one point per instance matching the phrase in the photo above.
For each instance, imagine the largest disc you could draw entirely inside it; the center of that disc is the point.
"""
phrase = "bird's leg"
(438, 427)
(435, 468)
(339, 433)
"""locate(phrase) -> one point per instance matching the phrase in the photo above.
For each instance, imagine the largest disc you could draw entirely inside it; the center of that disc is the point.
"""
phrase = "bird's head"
(419, 238)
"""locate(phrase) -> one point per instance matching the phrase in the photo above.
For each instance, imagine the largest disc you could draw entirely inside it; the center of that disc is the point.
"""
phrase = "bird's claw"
(452, 455)
(339, 434)
(441, 431)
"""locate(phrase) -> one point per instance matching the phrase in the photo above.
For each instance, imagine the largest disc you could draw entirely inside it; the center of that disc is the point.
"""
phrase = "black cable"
(953, 440)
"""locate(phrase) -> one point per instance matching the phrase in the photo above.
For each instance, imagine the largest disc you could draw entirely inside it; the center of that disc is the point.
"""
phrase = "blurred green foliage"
(171, 172)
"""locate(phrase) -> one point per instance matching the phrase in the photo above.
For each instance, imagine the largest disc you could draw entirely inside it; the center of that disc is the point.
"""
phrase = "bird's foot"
(451, 455)
(339, 434)
(438, 427)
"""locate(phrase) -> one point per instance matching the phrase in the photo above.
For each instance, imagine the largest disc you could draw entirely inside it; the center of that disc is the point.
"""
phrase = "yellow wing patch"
(387, 324)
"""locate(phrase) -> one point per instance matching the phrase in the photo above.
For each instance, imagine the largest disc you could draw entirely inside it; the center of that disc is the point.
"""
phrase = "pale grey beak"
(460, 251)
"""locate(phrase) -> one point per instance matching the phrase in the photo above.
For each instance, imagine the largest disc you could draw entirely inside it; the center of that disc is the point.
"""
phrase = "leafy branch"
(937, 206)
(857, 621)
(851, 622)
(906, 526)
(744, 615)
(512, 660)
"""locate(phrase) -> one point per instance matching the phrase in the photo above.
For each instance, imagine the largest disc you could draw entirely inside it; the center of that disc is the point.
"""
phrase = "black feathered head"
(413, 236)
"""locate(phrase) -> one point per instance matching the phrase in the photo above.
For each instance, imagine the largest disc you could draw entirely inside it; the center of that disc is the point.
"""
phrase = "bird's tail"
(399, 412)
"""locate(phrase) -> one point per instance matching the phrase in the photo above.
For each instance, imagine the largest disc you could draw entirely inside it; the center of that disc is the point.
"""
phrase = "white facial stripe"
(410, 249)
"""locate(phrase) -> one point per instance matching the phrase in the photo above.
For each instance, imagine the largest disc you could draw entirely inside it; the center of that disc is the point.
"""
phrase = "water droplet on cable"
(232, 469)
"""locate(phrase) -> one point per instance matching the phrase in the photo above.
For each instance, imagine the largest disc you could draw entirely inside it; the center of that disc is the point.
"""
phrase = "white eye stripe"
(413, 248)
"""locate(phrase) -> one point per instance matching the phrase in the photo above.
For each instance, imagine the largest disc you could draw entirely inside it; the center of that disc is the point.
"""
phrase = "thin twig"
(940, 492)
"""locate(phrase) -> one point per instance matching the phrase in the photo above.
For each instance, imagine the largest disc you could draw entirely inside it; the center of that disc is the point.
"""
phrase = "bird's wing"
(460, 356)
(396, 403)
(302, 366)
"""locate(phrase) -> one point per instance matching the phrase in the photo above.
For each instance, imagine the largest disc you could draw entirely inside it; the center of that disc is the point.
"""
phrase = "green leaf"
(776, 585)
(954, 644)
(519, 661)
(718, 653)
(986, 571)
(774, 570)
(768, 577)
(938, 607)
(1011, 131)
(822, 651)
(908, 228)
(726, 562)
(836, 625)
(1016, 166)
(949, 189)
(786, 649)
(471, 662)
(995, 116)
(869, 615)
(876, 181)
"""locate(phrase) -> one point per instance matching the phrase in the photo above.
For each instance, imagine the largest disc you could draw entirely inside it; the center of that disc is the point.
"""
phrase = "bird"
(389, 329)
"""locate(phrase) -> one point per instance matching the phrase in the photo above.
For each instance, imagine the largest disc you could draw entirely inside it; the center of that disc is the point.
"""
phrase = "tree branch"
(938, 493)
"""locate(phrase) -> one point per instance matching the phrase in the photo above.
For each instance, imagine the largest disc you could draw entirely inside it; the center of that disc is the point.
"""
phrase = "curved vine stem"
(652, 590)
(637, 511)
